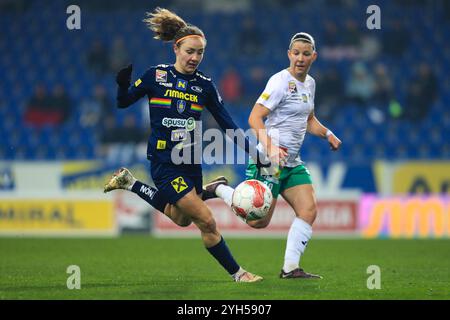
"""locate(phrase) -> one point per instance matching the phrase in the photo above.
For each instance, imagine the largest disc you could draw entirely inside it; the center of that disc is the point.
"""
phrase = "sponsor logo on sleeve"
(161, 144)
(265, 96)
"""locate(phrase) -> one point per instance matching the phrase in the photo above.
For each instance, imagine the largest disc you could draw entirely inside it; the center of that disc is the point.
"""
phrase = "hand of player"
(123, 77)
(334, 142)
(278, 155)
(273, 163)
(262, 161)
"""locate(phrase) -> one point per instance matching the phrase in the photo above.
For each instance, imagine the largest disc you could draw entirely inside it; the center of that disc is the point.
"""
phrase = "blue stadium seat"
(43, 52)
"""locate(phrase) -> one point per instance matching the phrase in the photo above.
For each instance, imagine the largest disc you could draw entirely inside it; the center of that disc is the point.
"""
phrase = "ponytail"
(168, 26)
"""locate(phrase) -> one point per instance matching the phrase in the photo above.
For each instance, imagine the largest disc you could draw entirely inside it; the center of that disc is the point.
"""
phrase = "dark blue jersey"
(176, 102)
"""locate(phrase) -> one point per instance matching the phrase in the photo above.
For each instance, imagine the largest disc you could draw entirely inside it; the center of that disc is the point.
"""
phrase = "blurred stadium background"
(385, 93)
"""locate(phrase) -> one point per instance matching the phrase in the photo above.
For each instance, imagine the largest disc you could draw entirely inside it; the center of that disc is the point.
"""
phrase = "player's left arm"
(126, 94)
(316, 128)
(216, 107)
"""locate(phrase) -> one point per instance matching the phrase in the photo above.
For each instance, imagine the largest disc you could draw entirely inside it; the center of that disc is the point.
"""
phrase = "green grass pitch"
(144, 267)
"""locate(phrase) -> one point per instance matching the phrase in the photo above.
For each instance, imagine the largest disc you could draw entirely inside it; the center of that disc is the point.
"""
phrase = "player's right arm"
(266, 103)
(256, 122)
(127, 95)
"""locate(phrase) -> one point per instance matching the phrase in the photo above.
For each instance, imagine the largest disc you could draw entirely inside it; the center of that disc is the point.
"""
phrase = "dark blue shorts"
(175, 181)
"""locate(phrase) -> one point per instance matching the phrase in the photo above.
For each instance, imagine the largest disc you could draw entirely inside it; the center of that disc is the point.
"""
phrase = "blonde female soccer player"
(287, 104)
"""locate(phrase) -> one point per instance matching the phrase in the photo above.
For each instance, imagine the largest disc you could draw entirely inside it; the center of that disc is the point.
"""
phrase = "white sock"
(298, 237)
(225, 192)
(238, 273)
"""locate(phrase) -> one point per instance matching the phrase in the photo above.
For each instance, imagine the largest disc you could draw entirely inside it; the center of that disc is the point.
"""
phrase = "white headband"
(304, 37)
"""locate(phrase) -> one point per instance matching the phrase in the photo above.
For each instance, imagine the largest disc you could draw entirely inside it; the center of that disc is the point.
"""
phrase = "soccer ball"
(251, 200)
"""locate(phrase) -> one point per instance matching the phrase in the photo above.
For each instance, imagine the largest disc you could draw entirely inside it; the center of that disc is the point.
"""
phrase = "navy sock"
(150, 194)
(222, 254)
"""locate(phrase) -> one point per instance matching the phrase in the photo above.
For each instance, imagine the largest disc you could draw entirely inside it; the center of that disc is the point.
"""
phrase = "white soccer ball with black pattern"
(251, 200)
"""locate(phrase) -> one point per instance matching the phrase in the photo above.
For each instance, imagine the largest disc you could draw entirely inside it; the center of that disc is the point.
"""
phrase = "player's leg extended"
(302, 199)
(193, 207)
(177, 215)
(225, 192)
(273, 183)
(220, 188)
(124, 179)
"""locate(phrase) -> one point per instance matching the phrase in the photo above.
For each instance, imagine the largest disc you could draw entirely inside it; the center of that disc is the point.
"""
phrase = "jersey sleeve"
(141, 87)
(272, 94)
(216, 107)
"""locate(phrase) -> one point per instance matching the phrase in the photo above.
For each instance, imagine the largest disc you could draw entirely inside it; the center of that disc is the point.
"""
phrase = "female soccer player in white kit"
(287, 103)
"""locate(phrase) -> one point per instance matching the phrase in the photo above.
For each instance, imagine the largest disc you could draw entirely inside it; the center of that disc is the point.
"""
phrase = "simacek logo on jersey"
(181, 95)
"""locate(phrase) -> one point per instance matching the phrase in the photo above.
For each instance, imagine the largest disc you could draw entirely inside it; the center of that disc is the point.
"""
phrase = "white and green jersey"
(290, 102)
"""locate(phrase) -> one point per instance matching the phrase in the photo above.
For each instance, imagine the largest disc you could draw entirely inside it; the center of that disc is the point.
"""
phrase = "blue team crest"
(181, 106)
(181, 84)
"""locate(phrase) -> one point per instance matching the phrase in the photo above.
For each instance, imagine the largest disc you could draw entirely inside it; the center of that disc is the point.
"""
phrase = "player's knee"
(313, 210)
(208, 225)
(184, 222)
(309, 215)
